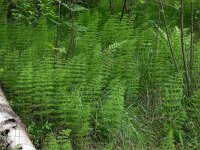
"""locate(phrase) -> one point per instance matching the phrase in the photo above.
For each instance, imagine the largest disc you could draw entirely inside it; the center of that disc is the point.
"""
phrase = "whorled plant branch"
(11, 127)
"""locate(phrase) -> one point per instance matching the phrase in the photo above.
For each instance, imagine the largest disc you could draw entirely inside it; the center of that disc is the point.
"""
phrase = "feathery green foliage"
(118, 91)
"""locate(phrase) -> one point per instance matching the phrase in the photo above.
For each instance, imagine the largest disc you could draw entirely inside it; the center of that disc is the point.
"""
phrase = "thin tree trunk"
(9, 11)
(191, 46)
(123, 10)
(111, 6)
(191, 36)
(12, 127)
(168, 37)
(71, 50)
(183, 50)
(58, 25)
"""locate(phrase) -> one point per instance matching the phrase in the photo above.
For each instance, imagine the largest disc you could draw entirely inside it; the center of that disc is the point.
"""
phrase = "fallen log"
(11, 127)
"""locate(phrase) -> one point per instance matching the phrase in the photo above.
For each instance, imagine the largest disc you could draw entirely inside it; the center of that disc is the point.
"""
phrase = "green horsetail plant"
(112, 109)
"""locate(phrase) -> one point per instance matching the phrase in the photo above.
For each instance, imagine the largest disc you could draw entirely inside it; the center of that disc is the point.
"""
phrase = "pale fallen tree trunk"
(11, 127)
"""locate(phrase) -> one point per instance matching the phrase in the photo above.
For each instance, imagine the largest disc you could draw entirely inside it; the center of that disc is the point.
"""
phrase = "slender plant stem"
(191, 45)
(9, 11)
(191, 36)
(154, 98)
(158, 28)
(111, 6)
(71, 50)
(123, 10)
(58, 26)
(183, 49)
(168, 37)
